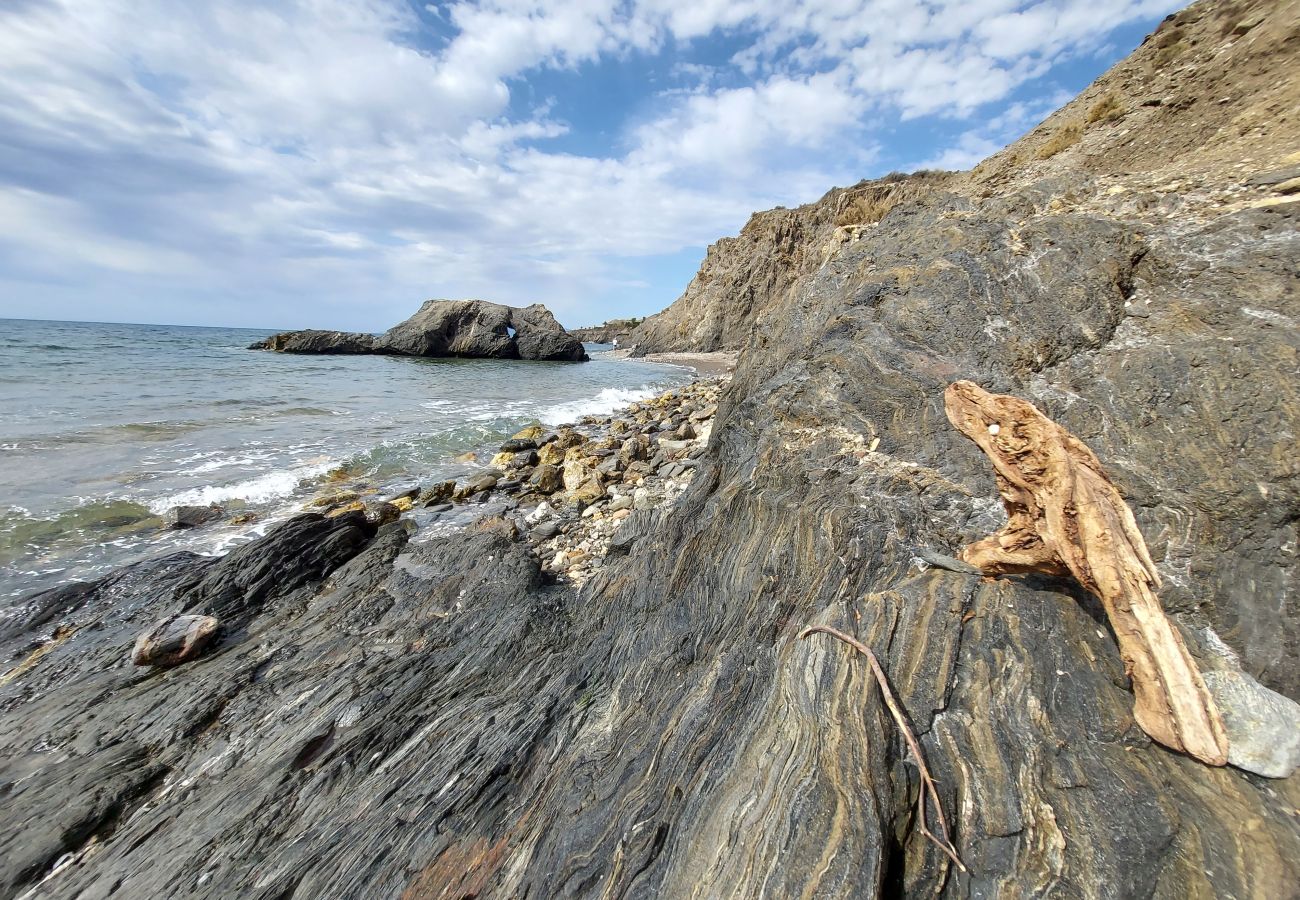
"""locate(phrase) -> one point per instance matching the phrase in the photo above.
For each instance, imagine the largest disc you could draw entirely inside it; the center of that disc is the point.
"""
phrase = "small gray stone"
(618, 503)
(1263, 727)
(545, 531)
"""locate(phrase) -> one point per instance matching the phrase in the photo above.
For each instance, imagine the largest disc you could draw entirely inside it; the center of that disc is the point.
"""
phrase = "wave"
(261, 489)
(607, 401)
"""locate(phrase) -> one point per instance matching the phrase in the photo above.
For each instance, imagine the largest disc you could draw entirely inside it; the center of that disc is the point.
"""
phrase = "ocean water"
(103, 428)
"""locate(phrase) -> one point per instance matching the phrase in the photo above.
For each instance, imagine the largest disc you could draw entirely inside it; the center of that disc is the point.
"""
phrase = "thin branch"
(928, 787)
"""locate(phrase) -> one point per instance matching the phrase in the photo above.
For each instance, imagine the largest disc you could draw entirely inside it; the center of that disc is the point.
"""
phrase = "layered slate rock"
(392, 718)
(466, 328)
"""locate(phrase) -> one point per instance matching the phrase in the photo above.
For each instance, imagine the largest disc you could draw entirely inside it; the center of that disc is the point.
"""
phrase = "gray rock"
(1263, 727)
(623, 502)
(545, 531)
(191, 516)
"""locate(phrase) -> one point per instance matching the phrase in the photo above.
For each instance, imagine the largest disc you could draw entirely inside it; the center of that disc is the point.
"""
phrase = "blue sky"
(333, 163)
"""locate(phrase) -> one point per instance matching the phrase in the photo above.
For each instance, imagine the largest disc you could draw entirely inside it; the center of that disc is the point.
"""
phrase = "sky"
(334, 163)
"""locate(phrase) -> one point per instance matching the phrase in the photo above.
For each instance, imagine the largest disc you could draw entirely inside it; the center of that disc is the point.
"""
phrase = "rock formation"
(1064, 516)
(439, 718)
(615, 329)
(469, 328)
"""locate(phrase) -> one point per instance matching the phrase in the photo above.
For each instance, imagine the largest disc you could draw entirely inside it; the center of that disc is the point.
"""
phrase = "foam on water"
(604, 403)
(262, 489)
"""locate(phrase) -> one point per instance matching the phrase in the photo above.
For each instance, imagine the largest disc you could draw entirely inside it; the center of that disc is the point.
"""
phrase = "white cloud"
(350, 151)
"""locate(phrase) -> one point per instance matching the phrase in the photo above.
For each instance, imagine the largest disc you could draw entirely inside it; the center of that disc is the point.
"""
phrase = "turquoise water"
(105, 427)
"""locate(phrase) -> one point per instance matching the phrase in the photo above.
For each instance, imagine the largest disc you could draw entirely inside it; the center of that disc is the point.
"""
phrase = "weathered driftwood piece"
(1065, 516)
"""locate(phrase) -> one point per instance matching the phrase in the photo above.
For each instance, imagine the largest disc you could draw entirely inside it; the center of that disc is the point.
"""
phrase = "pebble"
(173, 641)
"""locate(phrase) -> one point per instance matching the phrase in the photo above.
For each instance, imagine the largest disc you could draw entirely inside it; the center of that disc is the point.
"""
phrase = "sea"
(105, 427)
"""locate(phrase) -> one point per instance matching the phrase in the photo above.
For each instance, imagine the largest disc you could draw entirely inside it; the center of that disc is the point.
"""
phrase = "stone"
(588, 492)
(541, 512)
(551, 454)
(1290, 186)
(576, 468)
(517, 444)
(1263, 726)
(401, 504)
(620, 503)
(535, 433)
(668, 446)
(173, 641)
(547, 479)
(545, 531)
(334, 499)
(191, 516)
(477, 485)
(439, 493)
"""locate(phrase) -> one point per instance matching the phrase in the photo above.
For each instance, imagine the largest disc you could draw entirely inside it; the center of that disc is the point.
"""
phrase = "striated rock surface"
(469, 328)
(439, 718)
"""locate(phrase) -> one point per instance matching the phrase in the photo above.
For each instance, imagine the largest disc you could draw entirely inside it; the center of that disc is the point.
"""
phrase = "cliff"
(1192, 123)
(443, 720)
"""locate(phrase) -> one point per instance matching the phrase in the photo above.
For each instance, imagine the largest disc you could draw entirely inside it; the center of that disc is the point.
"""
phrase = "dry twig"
(928, 788)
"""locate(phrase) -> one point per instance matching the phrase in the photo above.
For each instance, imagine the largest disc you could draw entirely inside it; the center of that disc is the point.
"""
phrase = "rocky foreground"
(388, 717)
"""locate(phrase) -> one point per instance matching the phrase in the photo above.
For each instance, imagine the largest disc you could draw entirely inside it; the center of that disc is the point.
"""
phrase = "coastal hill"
(608, 332)
(444, 718)
(1190, 125)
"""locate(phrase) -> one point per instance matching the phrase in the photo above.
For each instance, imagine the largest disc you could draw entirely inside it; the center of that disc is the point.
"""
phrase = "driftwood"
(1066, 517)
(929, 792)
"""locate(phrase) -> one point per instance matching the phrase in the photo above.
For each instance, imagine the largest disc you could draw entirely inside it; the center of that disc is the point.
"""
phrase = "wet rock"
(191, 516)
(517, 445)
(438, 494)
(477, 485)
(174, 641)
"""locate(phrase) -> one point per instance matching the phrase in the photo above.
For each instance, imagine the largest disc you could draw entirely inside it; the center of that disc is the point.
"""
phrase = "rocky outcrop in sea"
(477, 712)
(468, 328)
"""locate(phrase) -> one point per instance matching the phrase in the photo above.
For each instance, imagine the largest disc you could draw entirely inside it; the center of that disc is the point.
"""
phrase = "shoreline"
(713, 363)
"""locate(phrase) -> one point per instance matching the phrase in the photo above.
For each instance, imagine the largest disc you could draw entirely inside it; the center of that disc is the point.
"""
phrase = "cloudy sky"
(333, 163)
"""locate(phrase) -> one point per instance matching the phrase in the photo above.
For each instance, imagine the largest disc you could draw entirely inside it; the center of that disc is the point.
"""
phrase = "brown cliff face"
(1200, 120)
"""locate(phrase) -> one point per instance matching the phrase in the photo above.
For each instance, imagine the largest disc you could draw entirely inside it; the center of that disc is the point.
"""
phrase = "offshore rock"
(315, 341)
(468, 328)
